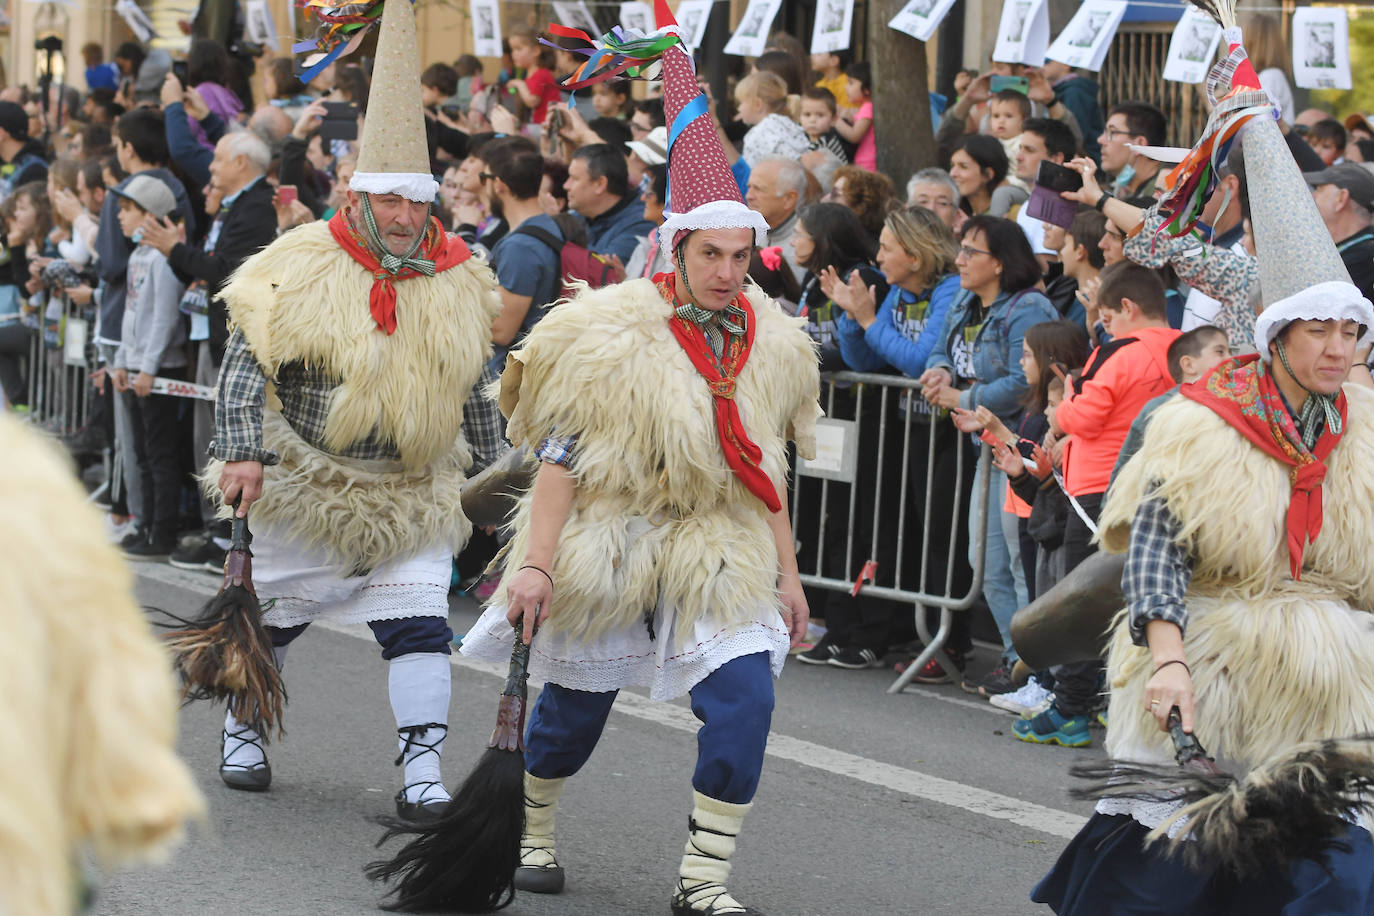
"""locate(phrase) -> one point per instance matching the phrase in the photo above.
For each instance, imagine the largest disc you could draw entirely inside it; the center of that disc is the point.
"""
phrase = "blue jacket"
(185, 150)
(619, 230)
(885, 344)
(999, 383)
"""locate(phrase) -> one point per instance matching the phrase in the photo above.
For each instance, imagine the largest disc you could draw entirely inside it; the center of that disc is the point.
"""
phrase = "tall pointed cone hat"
(393, 157)
(702, 193)
(1302, 275)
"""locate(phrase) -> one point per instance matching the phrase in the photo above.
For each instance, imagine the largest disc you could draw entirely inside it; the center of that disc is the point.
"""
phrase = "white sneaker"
(1026, 701)
(118, 531)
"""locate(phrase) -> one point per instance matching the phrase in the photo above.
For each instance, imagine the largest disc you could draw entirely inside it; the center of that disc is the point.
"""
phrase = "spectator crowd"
(1047, 342)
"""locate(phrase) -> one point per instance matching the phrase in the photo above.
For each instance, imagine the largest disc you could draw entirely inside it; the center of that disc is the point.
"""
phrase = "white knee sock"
(238, 751)
(541, 805)
(419, 685)
(706, 860)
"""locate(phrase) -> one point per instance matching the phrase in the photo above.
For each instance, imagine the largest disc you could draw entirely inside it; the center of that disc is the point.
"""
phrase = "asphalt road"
(915, 804)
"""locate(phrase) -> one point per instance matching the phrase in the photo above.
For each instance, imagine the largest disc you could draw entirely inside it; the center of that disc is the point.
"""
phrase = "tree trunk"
(901, 97)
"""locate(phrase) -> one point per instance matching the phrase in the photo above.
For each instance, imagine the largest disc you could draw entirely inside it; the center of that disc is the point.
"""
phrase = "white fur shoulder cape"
(657, 517)
(1275, 662)
(303, 298)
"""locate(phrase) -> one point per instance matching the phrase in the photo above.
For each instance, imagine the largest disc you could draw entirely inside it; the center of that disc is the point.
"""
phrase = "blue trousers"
(398, 637)
(734, 704)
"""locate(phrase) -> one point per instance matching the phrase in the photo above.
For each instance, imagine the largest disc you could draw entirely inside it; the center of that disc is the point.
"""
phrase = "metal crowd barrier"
(840, 463)
(59, 364)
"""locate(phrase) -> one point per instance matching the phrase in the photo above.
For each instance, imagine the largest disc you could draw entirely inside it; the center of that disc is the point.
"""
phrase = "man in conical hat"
(338, 427)
(1245, 519)
(654, 548)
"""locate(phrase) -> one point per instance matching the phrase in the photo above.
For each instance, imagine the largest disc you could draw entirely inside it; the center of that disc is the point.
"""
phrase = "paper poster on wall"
(137, 20)
(1023, 33)
(1193, 47)
(834, 18)
(920, 18)
(637, 17)
(1086, 39)
(576, 15)
(1321, 48)
(258, 26)
(486, 28)
(692, 17)
(751, 37)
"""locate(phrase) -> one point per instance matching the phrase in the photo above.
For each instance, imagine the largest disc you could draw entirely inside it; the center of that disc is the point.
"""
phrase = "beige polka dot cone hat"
(393, 157)
(1302, 275)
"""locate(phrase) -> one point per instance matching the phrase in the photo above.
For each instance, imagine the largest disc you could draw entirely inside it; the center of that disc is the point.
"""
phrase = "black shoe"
(709, 907)
(255, 778)
(198, 551)
(855, 658)
(995, 683)
(89, 440)
(820, 653)
(540, 879)
(150, 550)
(134, 538)
(419, 812)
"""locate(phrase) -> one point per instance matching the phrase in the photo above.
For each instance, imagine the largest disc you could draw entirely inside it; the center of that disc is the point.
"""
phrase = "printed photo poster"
(637, 17)
(258, 26)
(486, 28)
(1023, 34)
(1193, 47)
(920, 18)
(1321, 48)
(692, 17)
(751, 37)
(576, 15)
(834, 18)
(1086, 39)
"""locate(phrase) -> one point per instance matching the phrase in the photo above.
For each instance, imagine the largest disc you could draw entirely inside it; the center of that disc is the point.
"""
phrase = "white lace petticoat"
(302, 584)
(669, 666)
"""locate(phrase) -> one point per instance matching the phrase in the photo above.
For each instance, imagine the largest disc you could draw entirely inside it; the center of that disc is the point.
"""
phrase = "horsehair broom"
(466, 860)
(1293, 806)
(225, 652)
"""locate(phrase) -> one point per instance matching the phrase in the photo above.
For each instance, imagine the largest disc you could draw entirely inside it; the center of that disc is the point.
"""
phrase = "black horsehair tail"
(1295, 806)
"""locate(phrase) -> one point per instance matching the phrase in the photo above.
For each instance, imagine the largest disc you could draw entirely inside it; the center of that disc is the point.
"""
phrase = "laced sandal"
(420, 812)
(707, 899)
(254, 777)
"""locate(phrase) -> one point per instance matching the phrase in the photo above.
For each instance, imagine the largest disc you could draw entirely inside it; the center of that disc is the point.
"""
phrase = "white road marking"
(980, 705)
(1051, 821)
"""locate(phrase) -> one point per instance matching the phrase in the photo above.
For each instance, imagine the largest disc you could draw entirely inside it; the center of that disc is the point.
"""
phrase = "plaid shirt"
(483, 424)
(1158, 570)
(305, 394)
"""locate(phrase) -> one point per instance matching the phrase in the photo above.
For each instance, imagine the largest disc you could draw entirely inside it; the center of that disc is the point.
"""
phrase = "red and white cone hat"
(702, 192)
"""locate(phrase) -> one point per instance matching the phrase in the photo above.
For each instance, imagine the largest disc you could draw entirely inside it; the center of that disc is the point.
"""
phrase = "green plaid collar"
(731, 320)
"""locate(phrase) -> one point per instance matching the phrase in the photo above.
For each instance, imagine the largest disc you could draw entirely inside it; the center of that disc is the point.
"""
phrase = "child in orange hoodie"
(1119, 378)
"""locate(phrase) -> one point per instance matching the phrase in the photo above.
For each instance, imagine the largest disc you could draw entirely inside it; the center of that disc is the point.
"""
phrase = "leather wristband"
(539, 569)
(1101, 202)
(1172, 661)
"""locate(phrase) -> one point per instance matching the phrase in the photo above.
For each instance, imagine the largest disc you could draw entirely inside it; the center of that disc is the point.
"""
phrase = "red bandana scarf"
(741, 454)
(444, 250)
(1245, 396)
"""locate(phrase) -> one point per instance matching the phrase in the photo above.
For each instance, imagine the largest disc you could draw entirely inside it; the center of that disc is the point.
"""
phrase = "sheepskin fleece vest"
(303, 298)
(90, 702)
(657, 515)
(1275, 662)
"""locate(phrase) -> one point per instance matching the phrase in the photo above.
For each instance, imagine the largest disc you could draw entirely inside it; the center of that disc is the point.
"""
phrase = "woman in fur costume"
(90, 759)
(654, 548)
(1248, 603)
(355, 345)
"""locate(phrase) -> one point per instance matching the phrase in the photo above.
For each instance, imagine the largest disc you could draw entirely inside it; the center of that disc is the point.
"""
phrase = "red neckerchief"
(1245, 396)
(741, 454)
(438, 246)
